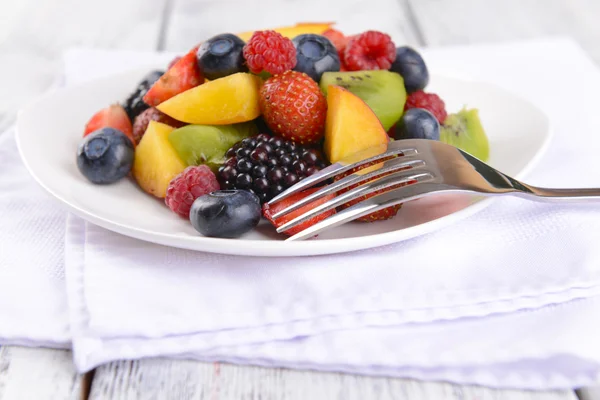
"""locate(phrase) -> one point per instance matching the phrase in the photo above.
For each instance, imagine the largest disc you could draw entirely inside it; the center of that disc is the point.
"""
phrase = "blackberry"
(267, 165)
(134, 105)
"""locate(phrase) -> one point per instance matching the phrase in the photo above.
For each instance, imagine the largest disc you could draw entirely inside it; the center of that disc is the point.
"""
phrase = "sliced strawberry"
(392, 132)
(113, 116)
(182, 76)
(269, 211)
(380, 215)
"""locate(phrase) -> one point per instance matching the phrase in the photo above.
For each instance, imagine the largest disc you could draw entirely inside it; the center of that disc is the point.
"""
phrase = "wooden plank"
(471, 21)
(33, 373)
(592, 393)
(33, 34)
(180, 379)
(193, 21)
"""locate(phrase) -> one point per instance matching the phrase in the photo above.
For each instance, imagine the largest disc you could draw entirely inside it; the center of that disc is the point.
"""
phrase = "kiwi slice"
(207, 144)
(465, 131)
(383, 91)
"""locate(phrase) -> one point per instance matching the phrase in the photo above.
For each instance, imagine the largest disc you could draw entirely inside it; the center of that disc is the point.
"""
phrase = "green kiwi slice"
(383, 91)
(207, 144)
(465, 131)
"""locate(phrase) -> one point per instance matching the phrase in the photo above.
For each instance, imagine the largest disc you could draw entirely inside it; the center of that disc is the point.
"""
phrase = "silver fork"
(406, 170)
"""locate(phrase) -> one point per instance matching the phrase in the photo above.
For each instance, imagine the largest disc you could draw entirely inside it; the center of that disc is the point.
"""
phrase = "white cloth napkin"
(33, 299)
(473, 303)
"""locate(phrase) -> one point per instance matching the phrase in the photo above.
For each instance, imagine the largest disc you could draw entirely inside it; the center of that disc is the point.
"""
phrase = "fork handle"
(559, 195)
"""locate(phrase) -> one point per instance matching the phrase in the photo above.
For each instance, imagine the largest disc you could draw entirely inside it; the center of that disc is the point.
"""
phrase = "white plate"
(49, 130)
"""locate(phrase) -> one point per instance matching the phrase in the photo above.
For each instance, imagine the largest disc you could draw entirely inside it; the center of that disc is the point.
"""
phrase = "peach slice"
(351, 126)
(156, 163)
(293, 31)
(228, 100)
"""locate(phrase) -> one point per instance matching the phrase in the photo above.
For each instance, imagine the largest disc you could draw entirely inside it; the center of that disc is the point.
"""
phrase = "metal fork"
(406, 170)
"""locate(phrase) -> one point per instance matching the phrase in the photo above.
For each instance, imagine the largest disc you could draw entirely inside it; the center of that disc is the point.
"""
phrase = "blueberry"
(315, 54)
(411, 66)
(134, 105)
(418, 123)
(105, 156)
(221, 55)
(225, 213)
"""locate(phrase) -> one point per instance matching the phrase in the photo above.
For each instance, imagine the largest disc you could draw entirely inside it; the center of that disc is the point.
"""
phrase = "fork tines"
(396, 166)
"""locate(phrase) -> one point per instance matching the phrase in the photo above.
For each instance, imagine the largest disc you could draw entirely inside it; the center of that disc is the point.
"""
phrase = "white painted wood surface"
(33, 34)
(447, 22)
(165, 379)
(29, 373)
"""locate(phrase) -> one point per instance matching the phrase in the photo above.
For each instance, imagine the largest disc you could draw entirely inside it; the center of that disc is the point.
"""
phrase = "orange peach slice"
(351, 126)
(156, 163)
(228, 100)
(293, 31)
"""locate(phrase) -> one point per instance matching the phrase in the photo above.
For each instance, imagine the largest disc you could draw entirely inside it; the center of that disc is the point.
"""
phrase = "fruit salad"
(242, 117)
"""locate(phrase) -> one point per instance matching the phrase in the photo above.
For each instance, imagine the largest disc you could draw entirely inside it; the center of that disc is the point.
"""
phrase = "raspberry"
(369, 51)
(269, 51)
(267, 165)
(430, 102)
(294, 107)
(152, 114)
(193, 182)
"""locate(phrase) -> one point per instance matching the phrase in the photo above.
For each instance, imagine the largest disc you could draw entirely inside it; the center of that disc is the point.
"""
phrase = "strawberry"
(392, 132)
(269, 211)
(380, 215)
(113, 116)
(340, 41)
(294, 107)
(183, 75)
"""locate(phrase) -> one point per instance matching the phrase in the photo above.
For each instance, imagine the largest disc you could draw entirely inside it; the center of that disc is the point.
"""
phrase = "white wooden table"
(33, 33)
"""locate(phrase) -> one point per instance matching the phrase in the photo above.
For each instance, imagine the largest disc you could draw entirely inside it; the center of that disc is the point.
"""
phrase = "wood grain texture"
(447, 22)
(592, 393)
(192, 21)
(27, 373)
(167, 379)
(33, 35)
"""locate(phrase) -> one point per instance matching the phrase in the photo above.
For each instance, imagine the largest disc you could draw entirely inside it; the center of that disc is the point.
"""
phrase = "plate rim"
(274, 248)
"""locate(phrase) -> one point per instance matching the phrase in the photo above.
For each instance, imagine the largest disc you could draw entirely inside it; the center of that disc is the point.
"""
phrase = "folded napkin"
(33, 300)
(473, 303)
